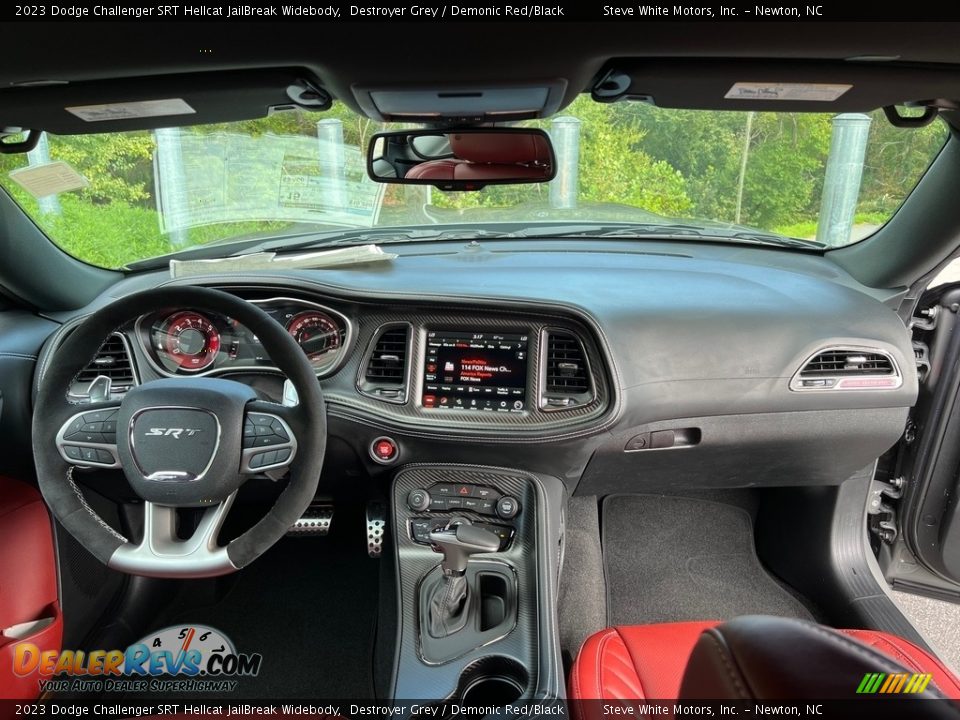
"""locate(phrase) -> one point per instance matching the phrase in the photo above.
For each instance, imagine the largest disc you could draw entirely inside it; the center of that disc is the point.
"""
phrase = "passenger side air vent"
(385, 368)
(566, 375)
(848, 369)
(111, 361)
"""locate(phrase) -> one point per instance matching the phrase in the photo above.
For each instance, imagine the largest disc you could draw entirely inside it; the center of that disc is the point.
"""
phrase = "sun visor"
(461, 104)
(856, 85)
(140, 103)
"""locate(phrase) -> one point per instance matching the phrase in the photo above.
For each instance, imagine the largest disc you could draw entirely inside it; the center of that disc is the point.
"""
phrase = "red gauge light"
(316, 332)
(190, 340)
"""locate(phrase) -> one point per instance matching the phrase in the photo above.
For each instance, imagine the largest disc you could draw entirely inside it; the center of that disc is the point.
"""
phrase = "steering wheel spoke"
(162, 553)
(89, 438)
(269, 443)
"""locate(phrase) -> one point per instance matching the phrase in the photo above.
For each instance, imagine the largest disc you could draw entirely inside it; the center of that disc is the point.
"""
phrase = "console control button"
(507, 507)
(420, 529)
(485, 493)
(418, 500)
(504, 532)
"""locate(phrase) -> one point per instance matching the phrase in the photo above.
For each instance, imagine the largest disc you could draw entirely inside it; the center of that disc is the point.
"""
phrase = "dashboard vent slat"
(112, 361)
(387, 364)
(566, 369)
(847, 362)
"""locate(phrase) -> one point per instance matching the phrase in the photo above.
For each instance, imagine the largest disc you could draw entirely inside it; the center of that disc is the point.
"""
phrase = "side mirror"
(462, 159)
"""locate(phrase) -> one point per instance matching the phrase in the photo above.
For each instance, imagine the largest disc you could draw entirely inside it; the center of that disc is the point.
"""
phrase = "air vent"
(112, 361)
(847, 362)
(848, 369)
(566, 375)
(385, 370)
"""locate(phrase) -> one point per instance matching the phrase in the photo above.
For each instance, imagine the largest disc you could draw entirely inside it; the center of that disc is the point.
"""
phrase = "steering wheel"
(181, 442)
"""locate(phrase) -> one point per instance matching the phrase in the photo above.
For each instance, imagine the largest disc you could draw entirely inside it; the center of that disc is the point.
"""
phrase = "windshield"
(114, 199)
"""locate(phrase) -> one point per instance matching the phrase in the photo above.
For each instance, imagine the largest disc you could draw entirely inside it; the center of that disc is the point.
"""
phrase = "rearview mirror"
(462, 159)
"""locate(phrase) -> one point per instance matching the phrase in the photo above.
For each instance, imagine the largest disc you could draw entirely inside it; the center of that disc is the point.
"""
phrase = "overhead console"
(461, 104)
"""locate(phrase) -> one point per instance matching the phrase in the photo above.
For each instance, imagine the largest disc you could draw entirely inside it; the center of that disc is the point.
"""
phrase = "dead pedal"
(376, 526)
(314, 522)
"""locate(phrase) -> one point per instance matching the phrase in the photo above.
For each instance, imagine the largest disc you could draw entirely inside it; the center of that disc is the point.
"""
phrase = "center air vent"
(385, 368)
(566, 375)
(848, 369)
(111, 361)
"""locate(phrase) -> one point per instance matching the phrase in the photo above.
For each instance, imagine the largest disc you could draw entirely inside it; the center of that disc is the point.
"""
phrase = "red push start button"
(384, 450)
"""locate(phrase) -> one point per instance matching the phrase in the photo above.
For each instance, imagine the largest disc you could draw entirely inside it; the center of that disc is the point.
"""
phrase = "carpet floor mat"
(673, 558)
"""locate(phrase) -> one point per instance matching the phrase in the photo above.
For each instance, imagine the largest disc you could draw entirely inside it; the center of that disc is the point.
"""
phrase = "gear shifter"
(450, 602)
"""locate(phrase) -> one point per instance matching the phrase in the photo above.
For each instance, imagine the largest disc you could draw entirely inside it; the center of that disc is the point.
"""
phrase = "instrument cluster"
(194, 342)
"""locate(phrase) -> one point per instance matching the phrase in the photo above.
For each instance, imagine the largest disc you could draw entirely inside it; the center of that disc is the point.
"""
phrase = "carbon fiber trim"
(418, 679)
(339, 391)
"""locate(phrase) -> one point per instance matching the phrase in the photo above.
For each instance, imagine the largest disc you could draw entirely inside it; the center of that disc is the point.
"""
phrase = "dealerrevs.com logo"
(191, 658)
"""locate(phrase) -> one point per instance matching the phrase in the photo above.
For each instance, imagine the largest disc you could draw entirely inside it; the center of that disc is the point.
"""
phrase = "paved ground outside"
(938, 622)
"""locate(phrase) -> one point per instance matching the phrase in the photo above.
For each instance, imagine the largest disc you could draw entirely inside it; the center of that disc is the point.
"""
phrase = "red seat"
(28, 582)
(649, 661)
(480, 156)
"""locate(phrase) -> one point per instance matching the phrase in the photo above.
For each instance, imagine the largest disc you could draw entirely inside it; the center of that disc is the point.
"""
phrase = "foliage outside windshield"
(153, 193)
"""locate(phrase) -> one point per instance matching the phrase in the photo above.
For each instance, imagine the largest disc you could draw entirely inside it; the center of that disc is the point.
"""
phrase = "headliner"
(461, 53)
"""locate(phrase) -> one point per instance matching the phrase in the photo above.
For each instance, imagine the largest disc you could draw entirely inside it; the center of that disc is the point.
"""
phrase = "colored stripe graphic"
(895, 683)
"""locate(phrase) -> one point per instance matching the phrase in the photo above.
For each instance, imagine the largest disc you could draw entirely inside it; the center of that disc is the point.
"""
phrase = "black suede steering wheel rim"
(53, 409)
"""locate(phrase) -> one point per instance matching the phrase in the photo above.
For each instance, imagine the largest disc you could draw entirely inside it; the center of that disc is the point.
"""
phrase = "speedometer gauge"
(316, 332)
(190, 340)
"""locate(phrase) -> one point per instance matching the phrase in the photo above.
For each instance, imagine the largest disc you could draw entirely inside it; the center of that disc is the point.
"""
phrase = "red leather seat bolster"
(648, 661)
(28, 580)
(433, 170)
(634, 661)
(463, 170)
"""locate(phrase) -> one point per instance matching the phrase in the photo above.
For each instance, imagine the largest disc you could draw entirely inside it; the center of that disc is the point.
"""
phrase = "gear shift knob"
(459, 542)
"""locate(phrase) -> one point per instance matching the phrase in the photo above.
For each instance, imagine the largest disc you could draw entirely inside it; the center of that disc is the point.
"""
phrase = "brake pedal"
(376, 525)
(315, 521)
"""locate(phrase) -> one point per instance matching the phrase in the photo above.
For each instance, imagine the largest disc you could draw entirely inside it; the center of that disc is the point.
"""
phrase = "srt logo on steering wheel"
(172, 432)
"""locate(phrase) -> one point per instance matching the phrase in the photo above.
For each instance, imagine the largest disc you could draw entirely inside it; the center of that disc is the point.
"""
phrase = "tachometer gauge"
(190, 340)
(316, 332)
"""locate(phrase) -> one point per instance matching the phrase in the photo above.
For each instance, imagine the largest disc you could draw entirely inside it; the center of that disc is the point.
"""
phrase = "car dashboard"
(595, 363)
(485, 384)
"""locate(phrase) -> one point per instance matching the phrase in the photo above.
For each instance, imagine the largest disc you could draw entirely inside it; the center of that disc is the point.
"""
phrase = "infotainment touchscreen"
(482, 371)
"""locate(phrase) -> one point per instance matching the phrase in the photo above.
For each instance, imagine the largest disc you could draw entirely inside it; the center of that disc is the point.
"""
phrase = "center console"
(477, 564)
